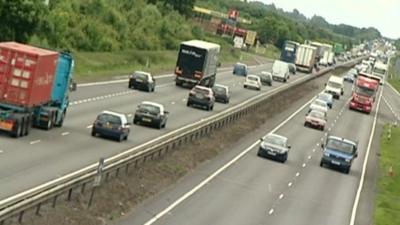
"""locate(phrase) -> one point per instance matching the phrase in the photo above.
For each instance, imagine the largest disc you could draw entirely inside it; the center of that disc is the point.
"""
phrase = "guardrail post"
(21, 216)
(69, 194)
(2, 222)
(54, 201)
(117, 172)
(83, 188)
(38, 209)
(127, 168)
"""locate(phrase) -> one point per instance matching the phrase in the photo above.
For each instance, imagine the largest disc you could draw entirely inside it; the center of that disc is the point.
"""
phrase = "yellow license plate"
(6, 126)
(146, 120)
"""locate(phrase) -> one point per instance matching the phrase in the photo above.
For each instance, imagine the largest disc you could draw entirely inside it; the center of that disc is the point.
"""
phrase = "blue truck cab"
(289, 51)
(339, 153)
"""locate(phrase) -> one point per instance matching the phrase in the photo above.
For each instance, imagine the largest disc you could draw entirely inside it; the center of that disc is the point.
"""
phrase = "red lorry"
(365, 89)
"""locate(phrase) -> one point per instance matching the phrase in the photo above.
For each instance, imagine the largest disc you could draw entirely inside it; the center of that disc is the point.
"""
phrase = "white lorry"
(305, 58)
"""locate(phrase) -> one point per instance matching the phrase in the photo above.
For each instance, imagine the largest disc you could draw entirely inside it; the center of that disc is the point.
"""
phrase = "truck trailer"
(305, 58)
(34, 88)
(197, 63)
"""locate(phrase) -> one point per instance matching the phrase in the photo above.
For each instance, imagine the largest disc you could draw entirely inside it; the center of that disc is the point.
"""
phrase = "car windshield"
(218, 89)
(365, 91)
(317, 114)
(140, 76)
(252, 78)
(341, 146)
(149, 108)
(275, 141)
(112, 119)
(334, 84)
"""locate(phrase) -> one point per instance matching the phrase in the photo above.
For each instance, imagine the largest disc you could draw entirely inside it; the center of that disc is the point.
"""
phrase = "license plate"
(271, 153)
(146, 119)
(139, 81)
(335, 162)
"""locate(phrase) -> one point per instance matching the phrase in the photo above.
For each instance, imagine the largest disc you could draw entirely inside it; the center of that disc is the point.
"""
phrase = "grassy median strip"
(387, 208)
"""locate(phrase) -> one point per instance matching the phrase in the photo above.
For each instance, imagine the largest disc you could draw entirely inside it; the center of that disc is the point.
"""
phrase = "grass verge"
(387, 207)
(394, 73)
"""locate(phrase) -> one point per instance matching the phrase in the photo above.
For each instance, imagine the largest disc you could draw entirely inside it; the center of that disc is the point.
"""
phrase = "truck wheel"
(346, 170)
(17, 129)
(61, 122)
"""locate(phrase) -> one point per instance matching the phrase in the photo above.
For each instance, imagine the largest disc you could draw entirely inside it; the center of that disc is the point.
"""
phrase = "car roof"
(319, 100)
(342, 139)
(252, 75)
(277, 136)
(201, 44)
(202, 87)
(317, 111)
(220, 85)
(142, 72)
(112, 113)
(153, 104)
(266, 73)
(336, 79)
(240, 64)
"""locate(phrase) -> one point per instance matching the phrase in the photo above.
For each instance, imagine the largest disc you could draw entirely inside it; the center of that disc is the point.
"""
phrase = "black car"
(274, 146)
(151, 113)
(142, 80)
(266, 78)
(201, 96)
(240, 69)
(221, 93)
(112, 125)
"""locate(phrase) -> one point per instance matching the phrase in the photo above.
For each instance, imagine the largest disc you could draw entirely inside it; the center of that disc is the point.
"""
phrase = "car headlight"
(326, 154)
(347, 160)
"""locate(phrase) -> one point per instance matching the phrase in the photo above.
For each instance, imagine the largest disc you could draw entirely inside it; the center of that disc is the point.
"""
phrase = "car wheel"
(149, 89)
(159, 126)
(121, 137)
(94, 133)
(211, 107)
(187, 103)
(346, 170)
(245, 86)
(321, 164)
(284, 80)
(305, 124)
(259, 89)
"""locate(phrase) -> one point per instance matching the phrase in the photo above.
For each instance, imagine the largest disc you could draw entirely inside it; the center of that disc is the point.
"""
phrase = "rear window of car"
(202, 91)
(140, 76)
(112, 119)
(317, 114)
(252, 78)
(149, 108)
(275, 141)
(238, 66)
(219, 89)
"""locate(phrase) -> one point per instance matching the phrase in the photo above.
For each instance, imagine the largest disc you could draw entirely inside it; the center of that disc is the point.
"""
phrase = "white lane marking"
(130, 115)
(304, 165)
(289, 184)
(65, 133)
(309, 157)
(35, 142)
(321, 140)
(90, 126)
(271, 211)
(364, 168)
(313, 150)
(1, 151)
(297, 174)
(183, 99)
(394, 89)
(281, 196)
(326, 134)
(173, 103)
(220, 170)
(329, 129)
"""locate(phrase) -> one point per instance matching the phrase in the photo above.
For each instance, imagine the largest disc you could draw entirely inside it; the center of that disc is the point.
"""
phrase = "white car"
(252, 81)
(319, 105)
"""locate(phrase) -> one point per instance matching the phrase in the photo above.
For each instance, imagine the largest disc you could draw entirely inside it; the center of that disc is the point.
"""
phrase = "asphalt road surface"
(45, 155)
(253, 190)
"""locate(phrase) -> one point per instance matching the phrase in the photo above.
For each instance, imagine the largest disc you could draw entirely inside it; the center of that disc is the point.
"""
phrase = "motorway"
(246, 189)
(45, 155)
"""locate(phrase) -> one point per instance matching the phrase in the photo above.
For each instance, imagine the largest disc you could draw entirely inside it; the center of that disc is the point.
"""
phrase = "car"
(335, 86)
(221, 93)
(201, 96)
(111, 124)
(266, 78)
(316, 119)
(252, 81)
(350, 75)
(142, 80)
(151, 113)
(339, 152)
(326, 97)
(240, 69)
(292, 68)
(319, 105)
(274, 146)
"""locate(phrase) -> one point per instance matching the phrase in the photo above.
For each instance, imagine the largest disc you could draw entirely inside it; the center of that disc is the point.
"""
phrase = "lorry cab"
(335, 86)
(339, 152)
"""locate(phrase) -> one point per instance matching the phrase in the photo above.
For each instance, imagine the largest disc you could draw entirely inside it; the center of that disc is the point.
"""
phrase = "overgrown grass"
(387, 207)
(394, 73)
(94, 66)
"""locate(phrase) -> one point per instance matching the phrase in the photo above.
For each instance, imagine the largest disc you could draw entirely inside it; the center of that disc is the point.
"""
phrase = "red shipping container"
(26, 74)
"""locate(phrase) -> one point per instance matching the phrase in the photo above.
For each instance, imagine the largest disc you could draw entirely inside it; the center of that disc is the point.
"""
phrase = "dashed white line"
(65, 133)
(297, 174)
(172, 103)
(289, 184)
(271, 211)
(130, 115)
(90, 126)
(1, 151)
(329, 129)
(309, 157)
(183, 99)
(313, 150)
(281, 196)
(304, 165)
(35, 142)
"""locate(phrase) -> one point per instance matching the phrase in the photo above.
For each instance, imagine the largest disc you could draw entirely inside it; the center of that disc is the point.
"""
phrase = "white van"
(280, 71)
(335, 86)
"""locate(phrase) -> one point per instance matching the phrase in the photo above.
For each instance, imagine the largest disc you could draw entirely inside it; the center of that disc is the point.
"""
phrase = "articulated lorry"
(365, 89)
(197, 63)
(34, 88)
(305, 58)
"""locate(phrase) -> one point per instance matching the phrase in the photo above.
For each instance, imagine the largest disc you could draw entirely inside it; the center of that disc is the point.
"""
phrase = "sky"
(381, 14)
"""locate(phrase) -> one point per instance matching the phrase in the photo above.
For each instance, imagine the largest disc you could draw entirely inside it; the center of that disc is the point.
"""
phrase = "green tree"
(20, 18)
